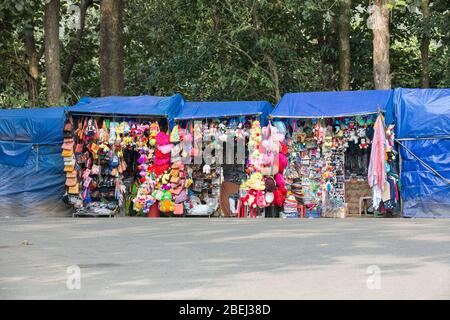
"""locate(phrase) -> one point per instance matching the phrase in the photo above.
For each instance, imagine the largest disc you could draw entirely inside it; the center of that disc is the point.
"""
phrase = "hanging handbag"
(79, 148)
(66, 153)
(68, 126)
(114, 161)
(95, 170)
(178, 209)
(182, 197)
(71, 181)
(87, 182)
(74, 189)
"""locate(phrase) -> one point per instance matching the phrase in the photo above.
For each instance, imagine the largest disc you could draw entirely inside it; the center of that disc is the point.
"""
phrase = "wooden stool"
(361, 201)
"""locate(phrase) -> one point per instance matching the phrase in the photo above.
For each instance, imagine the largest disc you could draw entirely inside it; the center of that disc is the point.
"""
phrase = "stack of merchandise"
(204, 148)
(69, 165)
(316, 166)
(265, 186)
(290, 208)
(110, 159)
(205, 189)
(163, 179)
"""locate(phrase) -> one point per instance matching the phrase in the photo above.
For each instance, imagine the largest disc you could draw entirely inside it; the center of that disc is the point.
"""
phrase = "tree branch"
(75, 46)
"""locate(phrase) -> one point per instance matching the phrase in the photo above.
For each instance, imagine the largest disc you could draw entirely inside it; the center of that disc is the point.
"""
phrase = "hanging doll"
(319, 133)
(112, 133)
(90, 133)
(240, 131)
(222, 132)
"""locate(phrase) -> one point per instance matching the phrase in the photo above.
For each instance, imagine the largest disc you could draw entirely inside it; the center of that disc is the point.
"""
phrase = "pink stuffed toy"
(279, 179)
(250, 198)
(282, 162)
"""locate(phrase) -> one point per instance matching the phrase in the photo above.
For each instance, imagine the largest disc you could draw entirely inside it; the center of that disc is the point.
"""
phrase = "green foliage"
(225, 49)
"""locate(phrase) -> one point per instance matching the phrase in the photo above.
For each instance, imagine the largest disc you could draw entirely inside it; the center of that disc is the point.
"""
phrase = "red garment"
(278, 197)
(158, 170)
(283, 148)
(160, 155)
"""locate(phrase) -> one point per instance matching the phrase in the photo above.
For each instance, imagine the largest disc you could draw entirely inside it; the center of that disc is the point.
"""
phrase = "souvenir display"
(113, 165)
(265, 186)
(317, 169)
(210, 139)
(282, 168)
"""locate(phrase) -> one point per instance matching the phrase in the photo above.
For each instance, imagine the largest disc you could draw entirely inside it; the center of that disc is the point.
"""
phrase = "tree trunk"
(380, 27)
(75, 45)
(52, 52)
(344, 45)
(111, 48)
(274, 77)
(424, 46)
(33, 68)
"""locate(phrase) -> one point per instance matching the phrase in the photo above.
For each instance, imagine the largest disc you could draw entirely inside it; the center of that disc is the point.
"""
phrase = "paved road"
(134, 258)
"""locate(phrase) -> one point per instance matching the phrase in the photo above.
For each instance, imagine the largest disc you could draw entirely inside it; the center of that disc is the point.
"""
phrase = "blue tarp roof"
(421, 113)
(20, 129)
(332, 103)
(167, 107)
(221, 109)
(38, 125)
(31, 166)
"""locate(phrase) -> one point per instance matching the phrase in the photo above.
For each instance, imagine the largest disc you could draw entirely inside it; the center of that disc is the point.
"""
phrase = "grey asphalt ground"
(196, 258)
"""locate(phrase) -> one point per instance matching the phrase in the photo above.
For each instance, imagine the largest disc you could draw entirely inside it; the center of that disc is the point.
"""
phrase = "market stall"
(116, 153)
(422, 122)
(330, 138)
(217, 151)
(31, 168)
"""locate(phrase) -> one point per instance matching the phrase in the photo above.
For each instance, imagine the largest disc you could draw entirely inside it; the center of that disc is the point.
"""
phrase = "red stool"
(253, 212)
(241, 210)
(301, 210)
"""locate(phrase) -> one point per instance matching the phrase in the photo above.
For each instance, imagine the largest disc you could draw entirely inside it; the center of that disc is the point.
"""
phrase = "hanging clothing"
(377, 166)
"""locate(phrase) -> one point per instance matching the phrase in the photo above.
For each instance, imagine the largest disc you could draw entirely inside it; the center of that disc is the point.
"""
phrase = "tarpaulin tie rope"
(424, 163)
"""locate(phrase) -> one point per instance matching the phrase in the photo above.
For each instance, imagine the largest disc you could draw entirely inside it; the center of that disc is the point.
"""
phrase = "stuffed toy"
(364, 144)
(353, 137)
(166, 203)
(250, 199)
(222, 132)
(206, 169)
(351, 124)
(279, 179)
(240, 131)
(361, 132)
(256, 181)
(319, 133)
(255, 135)
(154, 130)
(282, 162)
(261, 199)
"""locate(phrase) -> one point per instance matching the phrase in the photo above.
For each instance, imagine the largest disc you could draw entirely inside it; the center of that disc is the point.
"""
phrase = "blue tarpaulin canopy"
(31, 166)
(223, 109)
(422, 120)
(420, 113)
(152, 106)
(332, 104)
